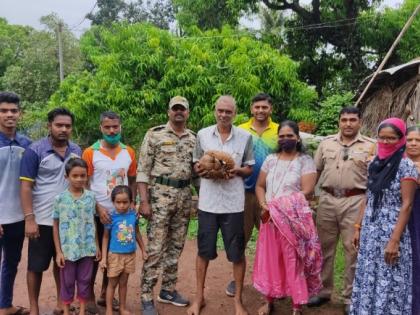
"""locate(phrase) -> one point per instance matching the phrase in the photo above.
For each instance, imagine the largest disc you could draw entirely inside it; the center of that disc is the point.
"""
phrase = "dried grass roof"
(395, 92)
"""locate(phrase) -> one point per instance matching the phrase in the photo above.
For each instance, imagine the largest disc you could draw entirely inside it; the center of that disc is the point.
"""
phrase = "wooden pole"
(60, 50)
(389, 53)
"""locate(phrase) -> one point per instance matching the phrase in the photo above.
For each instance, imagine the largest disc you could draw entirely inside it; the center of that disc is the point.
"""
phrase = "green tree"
(157, 12)
(135, 69)
(34, 74)
(206, 14)
(13, 42)
(385, 27)
(109, 11)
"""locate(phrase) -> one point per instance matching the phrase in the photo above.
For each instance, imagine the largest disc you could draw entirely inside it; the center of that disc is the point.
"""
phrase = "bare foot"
(265, 309)
(196, 307)
(240, 309)
(124, 312)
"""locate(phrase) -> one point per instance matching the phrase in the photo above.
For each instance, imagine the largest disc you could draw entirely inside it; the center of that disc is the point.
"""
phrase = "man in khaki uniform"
(341, 161)
(165, 168)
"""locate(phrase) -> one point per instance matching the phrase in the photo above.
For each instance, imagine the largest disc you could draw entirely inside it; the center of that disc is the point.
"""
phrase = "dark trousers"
(10, 253)
(76, 273)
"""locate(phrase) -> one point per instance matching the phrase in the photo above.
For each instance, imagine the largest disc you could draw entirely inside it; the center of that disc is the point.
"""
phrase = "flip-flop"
(59, 311)
(20, 310)
(92, 308)
(115, 303)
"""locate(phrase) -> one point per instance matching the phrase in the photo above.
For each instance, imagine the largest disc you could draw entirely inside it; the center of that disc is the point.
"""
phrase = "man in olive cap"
(165, 169)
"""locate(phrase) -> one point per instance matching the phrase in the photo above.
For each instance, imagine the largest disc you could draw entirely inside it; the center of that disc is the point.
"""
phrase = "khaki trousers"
(335, 219)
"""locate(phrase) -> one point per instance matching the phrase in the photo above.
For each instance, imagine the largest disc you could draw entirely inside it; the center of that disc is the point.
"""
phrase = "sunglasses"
(345, 153)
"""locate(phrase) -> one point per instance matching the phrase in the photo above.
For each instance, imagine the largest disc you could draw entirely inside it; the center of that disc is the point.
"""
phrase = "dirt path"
(218, 303)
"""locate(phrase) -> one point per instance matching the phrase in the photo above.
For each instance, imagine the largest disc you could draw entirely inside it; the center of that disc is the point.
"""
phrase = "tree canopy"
(136, 69)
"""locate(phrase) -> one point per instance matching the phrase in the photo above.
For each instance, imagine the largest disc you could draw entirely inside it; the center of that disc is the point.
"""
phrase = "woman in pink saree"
(288, 257)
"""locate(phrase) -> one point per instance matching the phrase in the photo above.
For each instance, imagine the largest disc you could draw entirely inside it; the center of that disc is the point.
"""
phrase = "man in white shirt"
(221, 202)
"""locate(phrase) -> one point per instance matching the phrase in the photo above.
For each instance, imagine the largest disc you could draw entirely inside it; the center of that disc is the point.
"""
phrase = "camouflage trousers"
(166, 233)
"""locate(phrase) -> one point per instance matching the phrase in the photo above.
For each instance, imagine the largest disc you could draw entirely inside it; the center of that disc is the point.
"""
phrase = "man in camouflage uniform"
(164, 173)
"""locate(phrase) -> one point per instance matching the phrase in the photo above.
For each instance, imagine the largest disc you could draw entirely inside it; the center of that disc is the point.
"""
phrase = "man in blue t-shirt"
(12, 225)
(42, 179)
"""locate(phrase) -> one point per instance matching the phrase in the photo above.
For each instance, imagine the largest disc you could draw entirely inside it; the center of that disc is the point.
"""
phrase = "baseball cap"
(178, 100)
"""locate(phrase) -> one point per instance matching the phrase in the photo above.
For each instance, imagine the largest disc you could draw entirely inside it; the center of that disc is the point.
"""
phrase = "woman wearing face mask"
(288, 257)
(413, 152)
(383, 281)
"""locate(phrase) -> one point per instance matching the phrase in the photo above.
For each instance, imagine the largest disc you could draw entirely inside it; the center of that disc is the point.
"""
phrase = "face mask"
(287, 144)
(385, 150)
(114, 139)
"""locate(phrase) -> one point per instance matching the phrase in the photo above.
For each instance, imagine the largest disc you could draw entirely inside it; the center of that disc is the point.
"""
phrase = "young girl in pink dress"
(288, 258)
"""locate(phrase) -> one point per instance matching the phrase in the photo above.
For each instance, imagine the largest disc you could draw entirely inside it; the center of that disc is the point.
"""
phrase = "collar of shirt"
(68, 193)
(358, 138)
(217, 133)
(171, 130)
(18, 139)
(249, 126)
(49, 148)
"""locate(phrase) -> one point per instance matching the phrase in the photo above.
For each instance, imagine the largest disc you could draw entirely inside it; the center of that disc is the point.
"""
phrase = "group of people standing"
(78, 209)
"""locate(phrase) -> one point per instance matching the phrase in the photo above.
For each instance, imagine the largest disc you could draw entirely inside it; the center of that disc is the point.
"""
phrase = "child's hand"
(102, 264)
(98, 255)
(60, 260)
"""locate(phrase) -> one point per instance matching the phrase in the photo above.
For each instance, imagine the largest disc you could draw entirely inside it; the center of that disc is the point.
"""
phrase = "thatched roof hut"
(395, 92)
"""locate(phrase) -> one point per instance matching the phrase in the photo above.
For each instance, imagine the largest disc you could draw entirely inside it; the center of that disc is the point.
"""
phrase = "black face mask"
(287, 145)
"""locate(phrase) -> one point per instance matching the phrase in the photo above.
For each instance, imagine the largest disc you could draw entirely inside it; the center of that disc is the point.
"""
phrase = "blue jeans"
(10, 252)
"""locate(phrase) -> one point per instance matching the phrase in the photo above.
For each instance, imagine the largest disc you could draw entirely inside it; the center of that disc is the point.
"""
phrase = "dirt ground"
(219, 273)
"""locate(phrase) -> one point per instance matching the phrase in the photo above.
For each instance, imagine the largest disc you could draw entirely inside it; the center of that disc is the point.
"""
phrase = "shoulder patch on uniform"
(157, 128)
(191, 132)
(366, 138)
(330, 137)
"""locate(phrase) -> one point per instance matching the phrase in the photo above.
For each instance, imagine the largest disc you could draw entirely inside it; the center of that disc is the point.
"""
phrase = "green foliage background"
(135, 70)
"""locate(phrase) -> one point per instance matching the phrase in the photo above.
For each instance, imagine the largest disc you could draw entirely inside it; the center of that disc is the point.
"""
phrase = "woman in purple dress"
(413, 152)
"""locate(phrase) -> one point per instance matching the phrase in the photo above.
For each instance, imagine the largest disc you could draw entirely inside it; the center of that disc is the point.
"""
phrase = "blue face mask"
(114, 139)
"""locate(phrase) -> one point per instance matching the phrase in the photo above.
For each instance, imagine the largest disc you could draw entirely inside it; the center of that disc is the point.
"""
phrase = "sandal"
(115, 303)
(267, 311)
(20, 310)
(92, 308)
(59, 311)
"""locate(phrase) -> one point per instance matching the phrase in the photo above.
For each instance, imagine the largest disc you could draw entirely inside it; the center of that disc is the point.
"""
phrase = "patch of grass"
(339, 268)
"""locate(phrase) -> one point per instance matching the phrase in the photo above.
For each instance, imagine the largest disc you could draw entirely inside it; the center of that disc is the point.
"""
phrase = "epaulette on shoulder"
(157, 128)
(329, 137)
(368, 139)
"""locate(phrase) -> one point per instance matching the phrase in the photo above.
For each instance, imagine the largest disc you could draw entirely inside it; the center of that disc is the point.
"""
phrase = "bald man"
(221, 202)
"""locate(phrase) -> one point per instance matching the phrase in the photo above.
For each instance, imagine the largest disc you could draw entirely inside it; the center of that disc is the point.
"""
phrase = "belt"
(340, 193)
(176, 183)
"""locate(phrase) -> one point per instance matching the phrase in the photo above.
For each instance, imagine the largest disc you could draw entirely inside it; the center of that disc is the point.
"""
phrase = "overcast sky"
(28, 12)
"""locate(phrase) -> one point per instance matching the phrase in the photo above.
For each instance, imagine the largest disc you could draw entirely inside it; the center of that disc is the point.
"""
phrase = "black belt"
(176, 183)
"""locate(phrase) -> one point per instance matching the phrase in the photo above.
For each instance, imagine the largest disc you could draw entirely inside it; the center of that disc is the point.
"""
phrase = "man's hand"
(60, 260)
(199, 170)
(1, 231)
(31, 227)
(233, 172)
(146, 209)
(103, 214)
